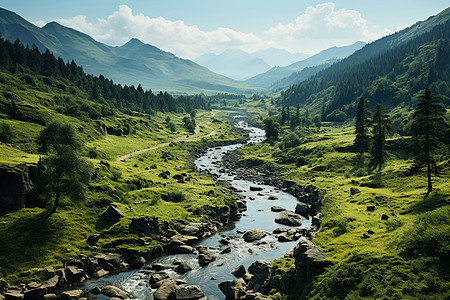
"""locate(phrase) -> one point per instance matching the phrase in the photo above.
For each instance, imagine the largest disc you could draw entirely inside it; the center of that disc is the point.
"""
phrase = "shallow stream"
(258, 215)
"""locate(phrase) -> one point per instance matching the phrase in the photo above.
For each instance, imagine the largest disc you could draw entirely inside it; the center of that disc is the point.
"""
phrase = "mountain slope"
(390, 71)
(279, 57)
(130, 64)
(233, 63)
(270, 77)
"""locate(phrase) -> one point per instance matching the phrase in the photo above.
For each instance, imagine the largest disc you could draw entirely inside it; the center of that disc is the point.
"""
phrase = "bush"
(430, 235)
(302, 161)
(173, 197)
(6, 133)
(291, 140)
(93, 153)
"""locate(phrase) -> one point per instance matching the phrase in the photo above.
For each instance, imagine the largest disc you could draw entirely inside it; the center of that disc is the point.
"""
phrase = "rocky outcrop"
(113, 214)
(15, 185)
(305, 254)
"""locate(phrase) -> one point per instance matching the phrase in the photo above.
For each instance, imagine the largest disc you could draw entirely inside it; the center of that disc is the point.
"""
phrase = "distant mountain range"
(131, 64)
(233, 63)
(275, 74)
(278, 57)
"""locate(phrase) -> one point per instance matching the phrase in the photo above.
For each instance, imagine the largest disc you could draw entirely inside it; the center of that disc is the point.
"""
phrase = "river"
(258, 215)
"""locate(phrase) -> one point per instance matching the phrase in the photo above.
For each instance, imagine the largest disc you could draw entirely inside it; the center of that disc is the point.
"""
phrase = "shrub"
(6, 133)
(291, 140)
(173, 197)
(302, 161)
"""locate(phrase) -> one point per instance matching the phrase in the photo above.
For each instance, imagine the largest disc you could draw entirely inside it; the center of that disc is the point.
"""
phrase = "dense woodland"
(392, 77)
(108, 96)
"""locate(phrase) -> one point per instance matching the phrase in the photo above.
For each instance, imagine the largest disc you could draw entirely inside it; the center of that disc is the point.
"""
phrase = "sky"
(190, 28)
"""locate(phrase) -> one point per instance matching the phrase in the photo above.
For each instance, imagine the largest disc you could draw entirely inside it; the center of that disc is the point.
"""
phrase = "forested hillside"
(391, 77)
(43, 70)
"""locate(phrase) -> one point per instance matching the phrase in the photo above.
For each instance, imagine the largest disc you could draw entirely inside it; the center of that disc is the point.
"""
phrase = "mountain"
(131, 64)
(390, 71)
(273, 75)
(233, 63)
(279, 57)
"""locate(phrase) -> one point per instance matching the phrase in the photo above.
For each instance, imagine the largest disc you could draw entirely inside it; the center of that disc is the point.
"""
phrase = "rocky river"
(258, 234)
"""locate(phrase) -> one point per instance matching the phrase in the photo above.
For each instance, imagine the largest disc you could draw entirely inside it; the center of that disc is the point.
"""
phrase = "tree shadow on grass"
(430, 201)
(29, 239)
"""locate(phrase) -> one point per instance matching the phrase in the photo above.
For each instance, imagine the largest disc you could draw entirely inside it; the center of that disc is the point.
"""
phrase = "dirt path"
(175, 140)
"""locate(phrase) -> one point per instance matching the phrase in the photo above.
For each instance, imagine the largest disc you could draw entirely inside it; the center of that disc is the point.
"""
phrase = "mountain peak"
(134, 42)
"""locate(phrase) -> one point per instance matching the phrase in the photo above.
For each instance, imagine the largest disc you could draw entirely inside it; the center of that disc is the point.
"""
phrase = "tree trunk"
(58, 194)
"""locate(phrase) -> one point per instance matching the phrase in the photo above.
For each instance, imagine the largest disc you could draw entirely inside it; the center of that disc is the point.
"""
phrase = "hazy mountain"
(132, 63)
(279, 57)
(276, 73)
(390, 71)
(233, 63)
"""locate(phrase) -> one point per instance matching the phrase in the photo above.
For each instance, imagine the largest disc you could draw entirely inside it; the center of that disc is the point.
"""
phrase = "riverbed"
(258, 215)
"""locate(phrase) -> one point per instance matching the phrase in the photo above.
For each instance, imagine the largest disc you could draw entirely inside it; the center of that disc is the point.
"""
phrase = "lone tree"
(271, 127)
(65, 171)
(427, 129)
(362, 123)
(381, 126)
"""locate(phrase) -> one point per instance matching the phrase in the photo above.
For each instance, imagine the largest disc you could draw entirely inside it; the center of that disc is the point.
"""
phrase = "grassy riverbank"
(405, 256)
(32, 239)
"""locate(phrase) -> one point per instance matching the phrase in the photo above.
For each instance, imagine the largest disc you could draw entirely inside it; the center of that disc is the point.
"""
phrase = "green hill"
(130, 64)
(390, 71)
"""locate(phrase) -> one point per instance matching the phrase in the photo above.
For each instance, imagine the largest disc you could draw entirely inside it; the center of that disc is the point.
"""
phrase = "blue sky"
(190, 28)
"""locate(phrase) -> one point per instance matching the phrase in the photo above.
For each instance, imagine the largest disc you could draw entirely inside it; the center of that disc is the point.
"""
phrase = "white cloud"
(317, 28)
(174, 36)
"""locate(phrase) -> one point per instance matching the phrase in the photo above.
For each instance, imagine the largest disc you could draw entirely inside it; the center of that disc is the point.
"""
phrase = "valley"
(127, 172)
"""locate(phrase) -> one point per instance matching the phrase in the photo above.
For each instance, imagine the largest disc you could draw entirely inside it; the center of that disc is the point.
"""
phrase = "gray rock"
(305, 253)
(95, 290)
(288, 218)
(100, 273)
(285, 238)
(302, 209)
(256, 188)
(165, 290)
(113, 214)
(260, 270)
(72, 295)
(13, 295)
(205, 258)
(182, 267)
(191, 292)
(51, 283)
(50, 297)
(158, 267)
(74, 274)
(105, 259)
(193, 229)
(233, 290)
(254, 234)
(180, 249)
(280, 230)
(154, 278)
(277, 208)
(184, 239)
(384, 217)
(137, 263)
(238, 271)
(113, 291)
(226, 250)
(370, 208)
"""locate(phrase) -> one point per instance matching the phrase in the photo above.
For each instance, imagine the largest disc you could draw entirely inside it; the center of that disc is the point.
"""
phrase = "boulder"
(280, 230)
(238, 271)
(384, 217)
(51, 283)
(36, 293)
(354, 191)
(113, 291)
(302, 209)
(156, 277)
(305, 253)
(137, 263)
(93, 239)
(233, 289)
(74, 274)
(96, 290)
(316, 221)
(180, 249)
(113, 214)
(191, 292)
(260, 270)
(146, 225)
(255, 188)
(254, 234)
(277, 209)
(226, 250)
(193, 229)
(272, 198)
(72, 295)
(100, 273)
(108, 260)
(13, 295)
(158, 267)
(370, 208)
(165, 290)
(182, 267)
(242, 205)
(288, 218)
(205, 258)
(50, 297)
(285, 238)
(184, 239)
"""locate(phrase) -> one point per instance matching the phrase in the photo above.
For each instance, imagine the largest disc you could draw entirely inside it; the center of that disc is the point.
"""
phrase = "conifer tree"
(361, 142)
(427, 130)
(381, 126)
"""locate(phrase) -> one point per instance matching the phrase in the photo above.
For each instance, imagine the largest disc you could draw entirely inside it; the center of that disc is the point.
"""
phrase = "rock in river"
(254, 234)
(289, 218)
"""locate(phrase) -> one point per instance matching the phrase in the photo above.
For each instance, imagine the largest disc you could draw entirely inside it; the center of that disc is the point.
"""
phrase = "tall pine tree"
(427, 130)
(361, 142)
(381, 126)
